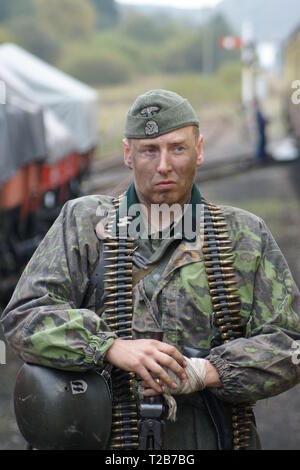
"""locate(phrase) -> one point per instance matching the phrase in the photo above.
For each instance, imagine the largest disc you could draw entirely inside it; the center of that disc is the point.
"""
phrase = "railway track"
(114, 178)
(228, 149)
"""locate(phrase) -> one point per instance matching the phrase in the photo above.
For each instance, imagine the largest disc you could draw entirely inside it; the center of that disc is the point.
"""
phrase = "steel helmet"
(63, 410)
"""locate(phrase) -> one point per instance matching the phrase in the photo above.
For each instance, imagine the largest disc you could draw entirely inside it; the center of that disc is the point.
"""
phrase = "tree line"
(100, 43)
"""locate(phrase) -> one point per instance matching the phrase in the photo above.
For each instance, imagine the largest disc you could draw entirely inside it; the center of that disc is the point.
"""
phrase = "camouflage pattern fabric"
(50, 319)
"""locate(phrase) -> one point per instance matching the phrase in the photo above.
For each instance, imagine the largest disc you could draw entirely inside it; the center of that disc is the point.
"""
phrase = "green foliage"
(107, 13)
(222, 87)
(196, 50)
(84, 38)
(6, 35)
(213, 55)
(104, 69)
(230, 73)
(145, 29)
(31, 36)
(181, 54)
(10, 9)
(66, 19)
(111, 46)
(114, 42)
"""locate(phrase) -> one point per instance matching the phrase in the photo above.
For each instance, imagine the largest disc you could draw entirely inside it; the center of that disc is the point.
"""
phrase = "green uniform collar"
(131, 199)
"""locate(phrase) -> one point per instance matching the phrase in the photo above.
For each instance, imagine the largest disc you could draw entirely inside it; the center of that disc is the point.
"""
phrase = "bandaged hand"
(195, 371)
(196, 375)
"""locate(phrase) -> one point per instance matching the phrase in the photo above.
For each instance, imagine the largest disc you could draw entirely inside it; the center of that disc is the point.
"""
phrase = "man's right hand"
(148, 358)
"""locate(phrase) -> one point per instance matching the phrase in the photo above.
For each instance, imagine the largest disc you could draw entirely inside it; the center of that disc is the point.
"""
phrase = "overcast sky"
(174, 3)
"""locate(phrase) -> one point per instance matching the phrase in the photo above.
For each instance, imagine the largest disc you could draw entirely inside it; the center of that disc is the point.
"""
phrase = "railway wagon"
(22, 154)
(48, 135)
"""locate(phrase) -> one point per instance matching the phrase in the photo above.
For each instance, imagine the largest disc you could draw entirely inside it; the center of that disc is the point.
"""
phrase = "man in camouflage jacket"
(53, 320)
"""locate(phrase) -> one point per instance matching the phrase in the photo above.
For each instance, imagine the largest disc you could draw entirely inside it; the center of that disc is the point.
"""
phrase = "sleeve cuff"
(98, 347)
(232, 387)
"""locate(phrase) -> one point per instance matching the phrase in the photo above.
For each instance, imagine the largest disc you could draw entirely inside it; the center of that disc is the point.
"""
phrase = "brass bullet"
(213, 284)
(119, 258)
(210, 222)
(211, 207)
(118, 309)
(127, 279)
(131, 414)
(220, 322)
(119, 265)
(116, 302)
(128, 421)
(129, 405)
(220, 262)
(216, 232)
(123, 429)
(225, 297)
(110, 288)
(119, 251)
(225, 328)
(226, 304)
(217, 218)
(245, 423)
(207, 243)
(115, 273)
(117, 325)
(121, 438)
(117, 294)
(127, 382)
(122, 245)
(218, 255)
(125, 330)
(119, 317)
(225, 290)
(225, 270)
(226, 250)
(222, 313)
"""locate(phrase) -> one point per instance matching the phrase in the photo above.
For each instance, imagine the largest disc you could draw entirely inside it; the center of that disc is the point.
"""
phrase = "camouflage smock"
(51, 317)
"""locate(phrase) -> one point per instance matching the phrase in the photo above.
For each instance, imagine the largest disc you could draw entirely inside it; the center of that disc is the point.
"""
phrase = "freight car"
(48, 134)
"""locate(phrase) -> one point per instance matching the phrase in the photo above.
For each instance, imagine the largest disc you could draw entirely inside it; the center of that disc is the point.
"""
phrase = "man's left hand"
(212, 379)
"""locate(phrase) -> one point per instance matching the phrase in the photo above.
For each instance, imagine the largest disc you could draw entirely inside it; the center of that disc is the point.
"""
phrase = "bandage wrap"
(196, 375)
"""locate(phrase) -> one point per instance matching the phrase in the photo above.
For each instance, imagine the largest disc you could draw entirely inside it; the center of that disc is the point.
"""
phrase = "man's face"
(164, 168)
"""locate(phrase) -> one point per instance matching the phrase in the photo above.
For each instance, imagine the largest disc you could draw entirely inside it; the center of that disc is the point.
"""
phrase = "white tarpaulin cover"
(22, 137)
(59, 140)
(73, 104)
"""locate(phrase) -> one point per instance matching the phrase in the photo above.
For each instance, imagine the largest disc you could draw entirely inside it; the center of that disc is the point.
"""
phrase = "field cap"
(158, 112)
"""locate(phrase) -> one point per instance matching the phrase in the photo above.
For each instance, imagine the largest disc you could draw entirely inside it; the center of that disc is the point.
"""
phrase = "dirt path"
(272, 193)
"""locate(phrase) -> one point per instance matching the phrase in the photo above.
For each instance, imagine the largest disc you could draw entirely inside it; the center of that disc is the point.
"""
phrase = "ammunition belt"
(118, 311)
(218, 260)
